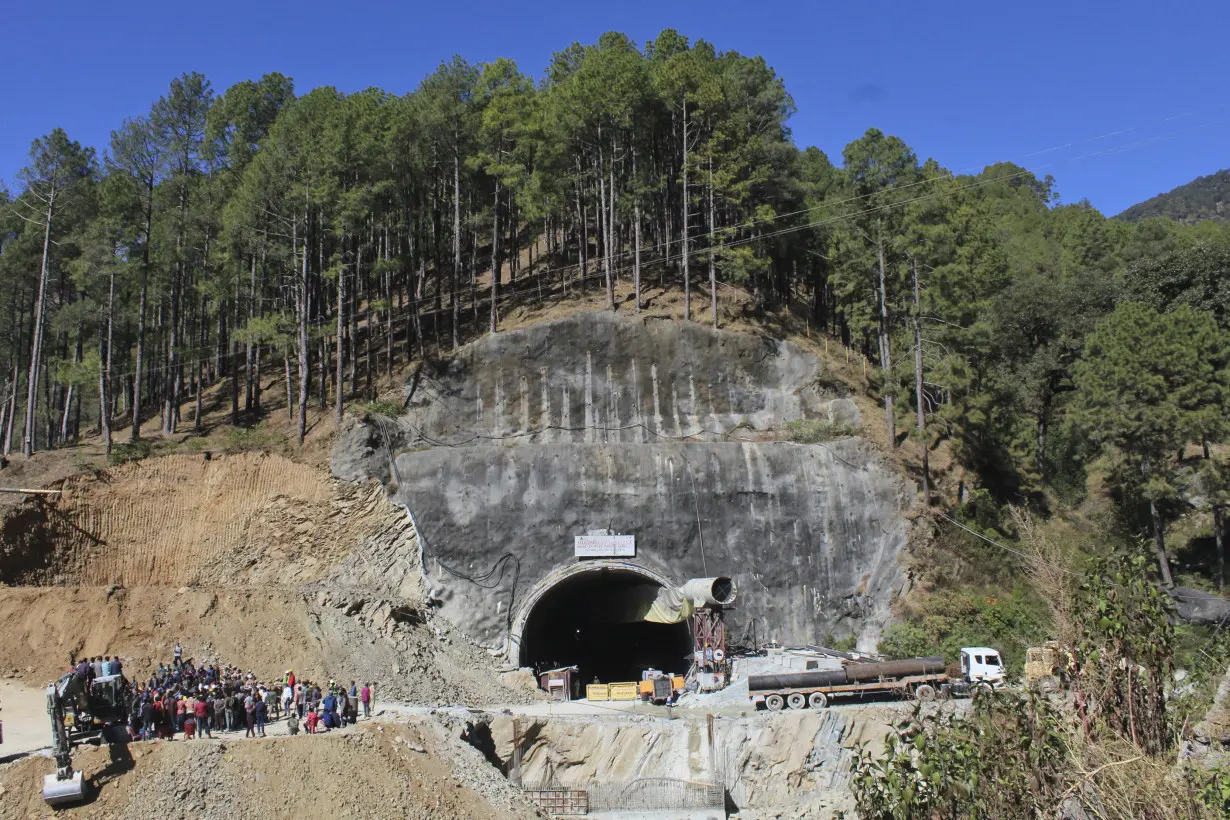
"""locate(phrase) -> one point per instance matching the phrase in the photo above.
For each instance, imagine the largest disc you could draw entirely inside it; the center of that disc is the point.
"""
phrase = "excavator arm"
(66, 785)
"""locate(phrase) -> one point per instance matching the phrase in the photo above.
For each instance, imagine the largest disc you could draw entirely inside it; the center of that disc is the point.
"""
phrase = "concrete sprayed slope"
(593, 377)
(810, 534)
(595, 423)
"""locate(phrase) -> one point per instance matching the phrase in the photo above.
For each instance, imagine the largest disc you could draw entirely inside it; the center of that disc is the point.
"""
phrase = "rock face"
(786, 766)
(1198, 607)
(659, 430)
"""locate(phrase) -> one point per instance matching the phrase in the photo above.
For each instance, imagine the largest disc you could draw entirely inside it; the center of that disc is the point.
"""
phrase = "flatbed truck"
(922, 678)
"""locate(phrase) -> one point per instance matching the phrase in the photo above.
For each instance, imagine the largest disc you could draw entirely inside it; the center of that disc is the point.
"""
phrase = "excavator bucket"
(62, 792)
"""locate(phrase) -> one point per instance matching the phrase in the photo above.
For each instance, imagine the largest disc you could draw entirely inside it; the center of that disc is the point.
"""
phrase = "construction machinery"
(81, 710)
(711, 664)
(1046, 665)
(922, 678)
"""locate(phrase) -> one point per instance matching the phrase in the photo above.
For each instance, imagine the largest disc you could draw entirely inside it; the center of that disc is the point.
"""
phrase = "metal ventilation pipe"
(719, 591)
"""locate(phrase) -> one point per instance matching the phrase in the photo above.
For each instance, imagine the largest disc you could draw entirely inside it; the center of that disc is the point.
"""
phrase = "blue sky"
(968, 83)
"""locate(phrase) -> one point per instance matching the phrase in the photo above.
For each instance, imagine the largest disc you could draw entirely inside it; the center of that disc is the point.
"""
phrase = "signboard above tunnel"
(605, 546)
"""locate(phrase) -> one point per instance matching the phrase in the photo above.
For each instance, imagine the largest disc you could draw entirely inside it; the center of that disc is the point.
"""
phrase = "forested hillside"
(328, 238)
(1202, 198)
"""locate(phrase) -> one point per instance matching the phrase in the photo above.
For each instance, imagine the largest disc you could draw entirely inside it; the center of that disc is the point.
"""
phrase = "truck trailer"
(921, 678)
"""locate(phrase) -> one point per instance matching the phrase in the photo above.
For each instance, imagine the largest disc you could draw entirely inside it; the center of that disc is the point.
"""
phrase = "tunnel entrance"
(577, 622)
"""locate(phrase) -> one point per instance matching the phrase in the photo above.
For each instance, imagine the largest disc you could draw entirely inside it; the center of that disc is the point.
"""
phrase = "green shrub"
(196, 444)
(952, 620)
(239, 439)
(132, 451)
(381, 408)
(814, 431)
(846, 644)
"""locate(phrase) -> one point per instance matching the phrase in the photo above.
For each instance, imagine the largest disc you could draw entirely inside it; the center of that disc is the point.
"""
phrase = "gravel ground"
(379, 770)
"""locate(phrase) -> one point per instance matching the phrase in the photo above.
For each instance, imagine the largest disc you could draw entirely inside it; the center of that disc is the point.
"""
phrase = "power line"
(1029, 557)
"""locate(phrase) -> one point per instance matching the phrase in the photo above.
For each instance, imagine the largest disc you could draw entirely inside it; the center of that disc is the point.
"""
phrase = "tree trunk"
(305, 373)
(612, 225)
(457, 237)
(918, 390)
(886, 351)
(173, 376)
(473, 263)
(1159, 543)
(687, 284)
(323, 384)
(104, 372)
(495, 258)
(341, 326)
(249, 349)
(290, 392)
(1219, 538)
(388, 311)
(142, 299)
(28, 433)
(604, 228)
(583, 235)
(234, 358)
(371, 323)
(712, 251)
(13, 379)
(202, 373)
(72, 391)
(352, 333)
(636, 241)
(415, 295)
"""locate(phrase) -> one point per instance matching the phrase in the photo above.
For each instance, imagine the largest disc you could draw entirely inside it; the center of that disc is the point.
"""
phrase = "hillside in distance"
(1202, 198)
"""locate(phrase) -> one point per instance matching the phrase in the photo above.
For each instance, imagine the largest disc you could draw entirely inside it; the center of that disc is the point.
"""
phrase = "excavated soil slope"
(267, 631)
(251, 559)
(182, 519)
(415, 771)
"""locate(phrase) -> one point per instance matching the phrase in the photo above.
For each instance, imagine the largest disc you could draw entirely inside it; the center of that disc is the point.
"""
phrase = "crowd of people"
(197, 700)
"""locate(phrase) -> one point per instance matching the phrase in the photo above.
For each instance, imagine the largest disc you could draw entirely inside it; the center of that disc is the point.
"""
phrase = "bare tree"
(57, 168)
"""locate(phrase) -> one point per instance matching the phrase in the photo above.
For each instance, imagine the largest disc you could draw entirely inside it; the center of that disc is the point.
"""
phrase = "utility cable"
(1062, 569)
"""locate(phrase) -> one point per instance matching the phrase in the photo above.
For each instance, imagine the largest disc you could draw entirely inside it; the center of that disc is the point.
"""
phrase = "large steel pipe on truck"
(924, 678)
(796, 680)
(860, 672)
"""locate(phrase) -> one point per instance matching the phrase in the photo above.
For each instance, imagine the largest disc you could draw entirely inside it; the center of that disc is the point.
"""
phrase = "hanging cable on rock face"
(488, 580)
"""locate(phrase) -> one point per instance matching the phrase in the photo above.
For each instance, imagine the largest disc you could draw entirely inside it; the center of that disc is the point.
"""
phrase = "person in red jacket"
(201, 710)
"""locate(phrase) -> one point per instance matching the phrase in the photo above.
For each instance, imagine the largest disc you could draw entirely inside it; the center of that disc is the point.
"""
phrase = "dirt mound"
(375, 771)
(182, 519)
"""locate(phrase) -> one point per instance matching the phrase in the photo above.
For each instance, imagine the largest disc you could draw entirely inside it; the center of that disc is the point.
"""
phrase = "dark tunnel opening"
(574, 624)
